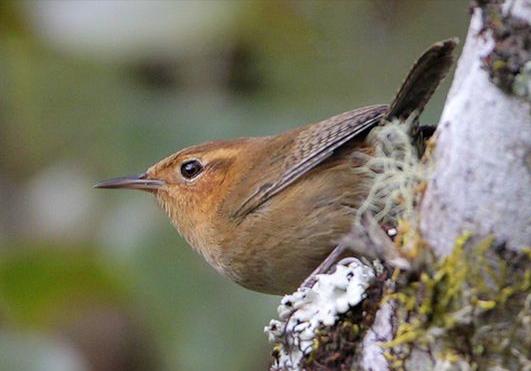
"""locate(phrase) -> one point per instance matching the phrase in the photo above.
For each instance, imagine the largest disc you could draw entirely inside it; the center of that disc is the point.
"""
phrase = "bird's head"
(192, 186)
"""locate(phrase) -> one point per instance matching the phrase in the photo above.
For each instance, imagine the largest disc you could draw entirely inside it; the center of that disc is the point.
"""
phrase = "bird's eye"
(191, 169)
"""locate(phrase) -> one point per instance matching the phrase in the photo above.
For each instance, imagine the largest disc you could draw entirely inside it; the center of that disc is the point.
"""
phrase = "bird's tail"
(422, 80)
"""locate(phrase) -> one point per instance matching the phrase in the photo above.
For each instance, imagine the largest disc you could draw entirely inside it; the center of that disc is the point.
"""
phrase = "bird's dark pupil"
(191, 168)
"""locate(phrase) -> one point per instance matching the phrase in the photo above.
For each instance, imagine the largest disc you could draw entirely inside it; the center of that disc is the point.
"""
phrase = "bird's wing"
(315, 143)
(310, 147)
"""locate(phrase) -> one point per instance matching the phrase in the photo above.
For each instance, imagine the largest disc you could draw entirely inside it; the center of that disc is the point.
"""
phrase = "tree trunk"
(482, 178)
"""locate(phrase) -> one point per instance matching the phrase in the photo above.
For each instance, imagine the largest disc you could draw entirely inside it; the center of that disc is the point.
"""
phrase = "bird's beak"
(140, 182)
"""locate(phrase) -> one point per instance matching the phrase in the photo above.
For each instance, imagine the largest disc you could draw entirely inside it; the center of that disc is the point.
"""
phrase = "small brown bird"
(267, 211)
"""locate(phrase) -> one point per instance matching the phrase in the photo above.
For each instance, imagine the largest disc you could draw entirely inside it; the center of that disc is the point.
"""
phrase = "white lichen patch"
(307, 310)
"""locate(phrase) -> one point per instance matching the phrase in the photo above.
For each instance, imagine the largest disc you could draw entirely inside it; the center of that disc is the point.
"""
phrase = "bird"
(266, 211)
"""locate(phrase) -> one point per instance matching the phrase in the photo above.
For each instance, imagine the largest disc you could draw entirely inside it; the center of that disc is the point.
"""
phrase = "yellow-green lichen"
(460, 304)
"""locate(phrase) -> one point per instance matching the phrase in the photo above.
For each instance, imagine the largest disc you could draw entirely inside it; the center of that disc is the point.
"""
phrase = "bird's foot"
(337, 256)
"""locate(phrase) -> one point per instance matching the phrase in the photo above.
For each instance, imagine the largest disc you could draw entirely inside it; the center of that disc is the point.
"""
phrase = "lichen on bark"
(457, 311)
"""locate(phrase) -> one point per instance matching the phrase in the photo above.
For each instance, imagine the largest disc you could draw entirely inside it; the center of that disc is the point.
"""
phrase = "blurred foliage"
(93, 89)
(37, 285)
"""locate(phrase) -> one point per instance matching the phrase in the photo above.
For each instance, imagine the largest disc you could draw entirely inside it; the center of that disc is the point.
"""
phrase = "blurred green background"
(93, 280)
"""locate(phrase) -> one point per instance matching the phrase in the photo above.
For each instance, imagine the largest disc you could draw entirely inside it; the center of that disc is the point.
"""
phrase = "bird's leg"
(371, 237)
(336, 256)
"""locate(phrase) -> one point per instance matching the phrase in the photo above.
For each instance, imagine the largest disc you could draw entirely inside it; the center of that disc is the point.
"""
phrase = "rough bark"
(482, 177)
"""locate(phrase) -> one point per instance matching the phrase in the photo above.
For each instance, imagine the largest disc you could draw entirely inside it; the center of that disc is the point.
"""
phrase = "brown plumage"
(266, 211)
